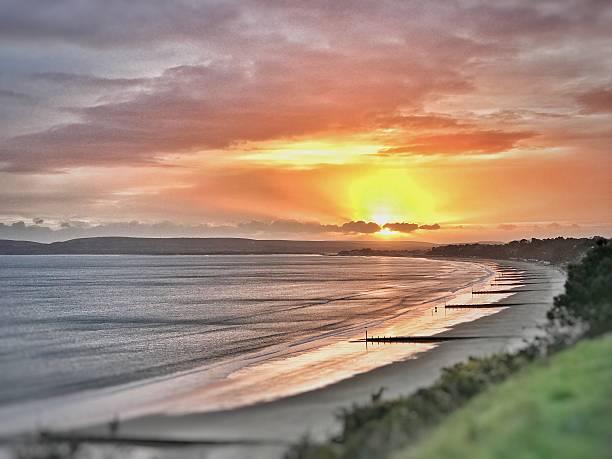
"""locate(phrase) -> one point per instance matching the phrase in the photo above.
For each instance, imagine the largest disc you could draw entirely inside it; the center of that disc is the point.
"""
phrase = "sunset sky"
(435, 121)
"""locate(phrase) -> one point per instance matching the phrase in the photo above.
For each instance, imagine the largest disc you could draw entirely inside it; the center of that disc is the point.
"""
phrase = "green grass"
(556, 408)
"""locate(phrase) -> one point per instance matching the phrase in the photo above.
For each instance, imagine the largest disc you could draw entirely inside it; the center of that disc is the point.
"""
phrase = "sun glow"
(311, 152)
(387, 233)
(389, 195)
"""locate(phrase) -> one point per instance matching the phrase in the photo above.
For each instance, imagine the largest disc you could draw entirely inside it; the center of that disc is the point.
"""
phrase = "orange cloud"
(479, 142)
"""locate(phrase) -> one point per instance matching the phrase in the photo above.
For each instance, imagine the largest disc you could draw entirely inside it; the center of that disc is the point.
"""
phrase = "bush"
(382, 427)
(588, 292)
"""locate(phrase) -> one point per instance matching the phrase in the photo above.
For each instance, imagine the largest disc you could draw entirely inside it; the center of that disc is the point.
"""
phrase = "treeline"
(559, 250)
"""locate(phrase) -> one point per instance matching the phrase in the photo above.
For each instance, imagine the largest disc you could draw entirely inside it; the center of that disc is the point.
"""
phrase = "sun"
(387, 233)
(381, 217)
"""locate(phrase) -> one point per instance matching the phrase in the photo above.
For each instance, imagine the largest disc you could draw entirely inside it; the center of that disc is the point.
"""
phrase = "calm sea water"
(75, 323)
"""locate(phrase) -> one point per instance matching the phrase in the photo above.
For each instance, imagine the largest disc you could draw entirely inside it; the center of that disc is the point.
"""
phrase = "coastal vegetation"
(557, 251)
(555, 408)
(384, 428)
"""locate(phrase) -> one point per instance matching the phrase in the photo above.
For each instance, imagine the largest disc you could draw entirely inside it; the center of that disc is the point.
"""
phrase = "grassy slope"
(558, 408)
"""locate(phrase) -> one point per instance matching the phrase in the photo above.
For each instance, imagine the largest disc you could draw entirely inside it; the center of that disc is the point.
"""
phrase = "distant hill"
(194, 246)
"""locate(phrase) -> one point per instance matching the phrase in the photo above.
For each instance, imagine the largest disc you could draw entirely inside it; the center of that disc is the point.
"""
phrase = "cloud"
(402, 227)
(252, 84)
(88, 81)
(287, 226)
(116, 23)
(406, 227)
(360, 227)
(214, 106)
(476, 142)
(419, 121)
(15, 96)
(506, 226)
(276, 70)
(596, 101)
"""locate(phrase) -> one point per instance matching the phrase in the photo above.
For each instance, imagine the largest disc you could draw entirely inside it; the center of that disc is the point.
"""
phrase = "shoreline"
(268, 426)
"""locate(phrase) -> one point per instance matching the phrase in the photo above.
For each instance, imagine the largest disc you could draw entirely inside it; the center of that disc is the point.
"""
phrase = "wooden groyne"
(484, 292)
(521, 277)
(422, 339)
(483, 305)
(518, 283)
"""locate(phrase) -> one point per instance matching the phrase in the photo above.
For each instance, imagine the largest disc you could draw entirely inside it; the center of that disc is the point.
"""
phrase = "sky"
(446, 121)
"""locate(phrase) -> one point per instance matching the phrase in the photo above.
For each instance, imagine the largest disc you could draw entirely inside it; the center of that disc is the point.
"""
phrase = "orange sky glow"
(468, 121)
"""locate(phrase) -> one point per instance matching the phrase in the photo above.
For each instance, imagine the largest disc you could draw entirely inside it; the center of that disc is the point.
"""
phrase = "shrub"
(588, 292)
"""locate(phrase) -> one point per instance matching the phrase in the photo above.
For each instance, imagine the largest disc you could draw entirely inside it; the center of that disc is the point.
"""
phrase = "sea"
(85, 339)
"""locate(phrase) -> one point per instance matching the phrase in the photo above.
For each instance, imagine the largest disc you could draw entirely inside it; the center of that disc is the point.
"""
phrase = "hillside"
(557, 408)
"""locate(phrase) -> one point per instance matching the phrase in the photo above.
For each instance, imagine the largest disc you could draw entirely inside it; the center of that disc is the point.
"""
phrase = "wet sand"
(264, 430)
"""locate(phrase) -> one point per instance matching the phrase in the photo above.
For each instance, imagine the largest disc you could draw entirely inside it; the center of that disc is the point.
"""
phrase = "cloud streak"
(405, 227)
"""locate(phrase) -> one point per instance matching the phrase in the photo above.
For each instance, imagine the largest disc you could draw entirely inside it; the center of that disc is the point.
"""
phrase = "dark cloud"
(88, 81)
(478, 142)
(433, 227)
(405, 227)
(114, 23)
(360, 227)
(15, 96)
(117, 23)
(402, 227)
(537, 22)
(596, 101)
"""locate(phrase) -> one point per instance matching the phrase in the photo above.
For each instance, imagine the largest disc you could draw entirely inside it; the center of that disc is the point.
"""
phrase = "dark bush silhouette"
(588, 292)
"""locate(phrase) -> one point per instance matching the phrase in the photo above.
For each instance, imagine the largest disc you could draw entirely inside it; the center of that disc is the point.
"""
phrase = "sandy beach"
(264, 430)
